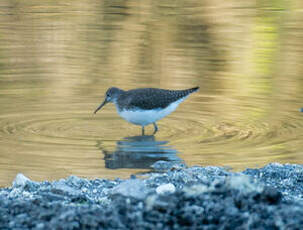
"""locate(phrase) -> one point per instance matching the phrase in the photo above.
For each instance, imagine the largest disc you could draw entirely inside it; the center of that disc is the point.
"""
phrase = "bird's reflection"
(138, 152)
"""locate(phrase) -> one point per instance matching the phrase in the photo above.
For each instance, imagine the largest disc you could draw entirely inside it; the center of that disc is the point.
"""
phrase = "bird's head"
(111, 95)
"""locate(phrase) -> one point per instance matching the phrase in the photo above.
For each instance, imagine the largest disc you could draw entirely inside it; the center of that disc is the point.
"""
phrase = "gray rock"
(188, 198)
(62, 188)
(134, 188)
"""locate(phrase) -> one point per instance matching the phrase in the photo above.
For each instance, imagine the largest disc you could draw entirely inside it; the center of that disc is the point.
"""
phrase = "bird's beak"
(100, 106)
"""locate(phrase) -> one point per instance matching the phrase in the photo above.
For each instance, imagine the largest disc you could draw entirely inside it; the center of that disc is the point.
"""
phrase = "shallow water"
(58, 58)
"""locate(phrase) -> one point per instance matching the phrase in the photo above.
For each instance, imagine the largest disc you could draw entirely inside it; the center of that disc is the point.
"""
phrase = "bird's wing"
(151, 98)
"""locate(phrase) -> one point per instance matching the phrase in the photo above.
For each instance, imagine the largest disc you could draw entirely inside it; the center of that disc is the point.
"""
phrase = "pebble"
(166, 188)
(188, 198)
(20, 180)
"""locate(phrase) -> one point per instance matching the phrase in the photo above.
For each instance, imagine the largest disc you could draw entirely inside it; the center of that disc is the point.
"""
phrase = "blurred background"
(57, 59)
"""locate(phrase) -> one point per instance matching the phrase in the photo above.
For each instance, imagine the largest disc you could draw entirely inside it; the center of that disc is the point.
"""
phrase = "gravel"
(179, 198)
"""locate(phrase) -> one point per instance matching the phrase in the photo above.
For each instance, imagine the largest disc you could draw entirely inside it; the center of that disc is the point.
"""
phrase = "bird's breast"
(143, 117)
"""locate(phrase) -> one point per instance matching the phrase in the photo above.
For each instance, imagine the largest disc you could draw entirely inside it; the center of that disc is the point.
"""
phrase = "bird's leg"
(142, 130)
(156, 128)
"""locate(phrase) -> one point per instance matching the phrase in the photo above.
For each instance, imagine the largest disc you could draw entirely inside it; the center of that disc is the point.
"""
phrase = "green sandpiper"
(145, 106)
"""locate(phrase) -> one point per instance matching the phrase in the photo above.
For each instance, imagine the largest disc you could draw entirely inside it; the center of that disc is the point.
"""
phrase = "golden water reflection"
(58, 58)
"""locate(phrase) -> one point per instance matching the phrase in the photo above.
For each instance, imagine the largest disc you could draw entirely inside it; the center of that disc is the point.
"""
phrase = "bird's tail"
(192, 90)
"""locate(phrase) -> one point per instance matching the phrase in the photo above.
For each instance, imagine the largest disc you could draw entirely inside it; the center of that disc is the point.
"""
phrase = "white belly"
(145, 117)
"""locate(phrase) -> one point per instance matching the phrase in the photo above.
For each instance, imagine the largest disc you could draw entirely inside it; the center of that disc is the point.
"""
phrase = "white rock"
(20, 180)
(166, 188)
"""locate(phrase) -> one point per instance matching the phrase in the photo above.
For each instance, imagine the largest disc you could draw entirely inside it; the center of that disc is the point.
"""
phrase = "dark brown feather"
(151, 98)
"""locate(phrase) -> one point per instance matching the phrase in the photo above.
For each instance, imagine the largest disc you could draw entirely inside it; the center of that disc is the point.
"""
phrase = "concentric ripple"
(68, 129)
(194, 131)
(71, 141)
(208, 140)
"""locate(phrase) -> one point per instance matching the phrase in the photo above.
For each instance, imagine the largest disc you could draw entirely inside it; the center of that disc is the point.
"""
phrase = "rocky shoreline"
(177, 198)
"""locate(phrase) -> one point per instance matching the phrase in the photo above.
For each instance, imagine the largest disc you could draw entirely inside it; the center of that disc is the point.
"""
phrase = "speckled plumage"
(150, 98)
(144, 106)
